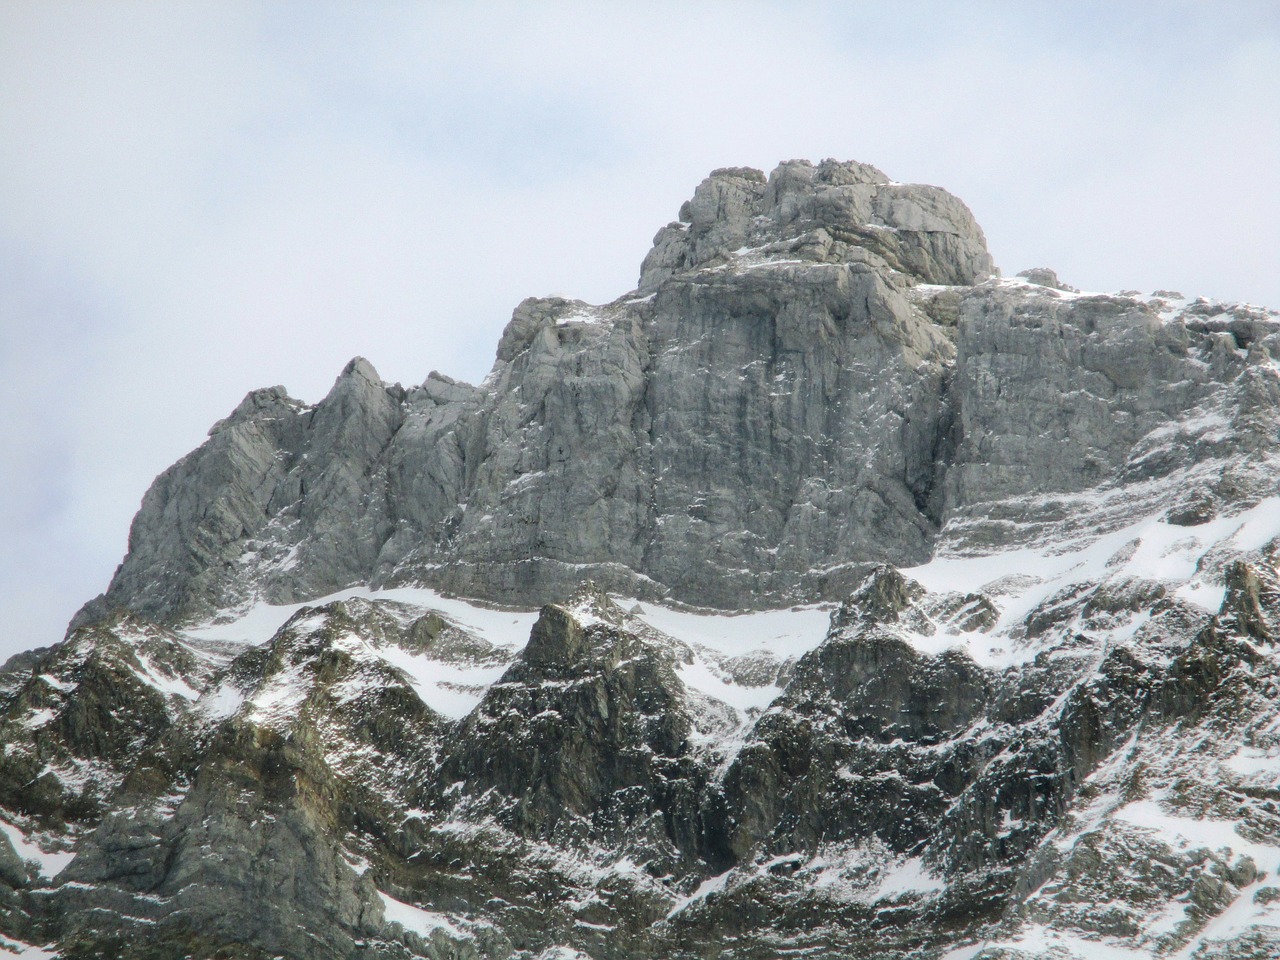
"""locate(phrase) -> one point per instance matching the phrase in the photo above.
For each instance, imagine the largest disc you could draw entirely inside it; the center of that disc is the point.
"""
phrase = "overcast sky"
(200, 199)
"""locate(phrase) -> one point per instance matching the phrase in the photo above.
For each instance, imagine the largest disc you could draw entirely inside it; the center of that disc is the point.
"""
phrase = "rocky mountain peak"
(263, 404)
(817, 381)
(958, 633)
(360, 367)
(557, 639)
(832, 212)
(881, 598)
(1044, 277)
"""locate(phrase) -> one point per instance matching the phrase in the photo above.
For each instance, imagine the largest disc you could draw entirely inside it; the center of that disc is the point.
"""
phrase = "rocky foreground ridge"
(829, 595)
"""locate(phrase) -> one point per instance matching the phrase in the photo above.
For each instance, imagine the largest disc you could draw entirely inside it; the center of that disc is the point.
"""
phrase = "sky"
(198, 199)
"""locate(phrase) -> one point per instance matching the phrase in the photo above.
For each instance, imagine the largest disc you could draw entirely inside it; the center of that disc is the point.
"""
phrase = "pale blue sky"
(199, 199)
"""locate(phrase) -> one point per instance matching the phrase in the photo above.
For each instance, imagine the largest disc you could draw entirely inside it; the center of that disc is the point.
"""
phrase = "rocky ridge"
(1026, 705)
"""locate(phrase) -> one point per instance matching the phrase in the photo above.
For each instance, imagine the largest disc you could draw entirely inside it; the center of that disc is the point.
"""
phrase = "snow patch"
(38, 718)
(13, 948)
(167, 685)
(709, 886)
(1192, 833)
(57, 684)
(1038, 942)
(222, 702)
(49, 864)
(1149, 548)
(563, 953)
(700, 676)
(450, 689)
(257, 623)
(1253, 762)
(416, 920)
(784, 633)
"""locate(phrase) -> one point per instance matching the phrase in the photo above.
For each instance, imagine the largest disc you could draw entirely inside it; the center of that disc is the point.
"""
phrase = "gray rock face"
(1077, 410)
(273, 470)
(814, 373)
(892, 801)
(753, 426)
(1057, 392)
(818, 378)
(245, 780)
(1046, 278)
(608, 754)
(918, 230)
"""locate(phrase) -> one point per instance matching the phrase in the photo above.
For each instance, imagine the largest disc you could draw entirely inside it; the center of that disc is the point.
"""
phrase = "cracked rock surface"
(826, 594)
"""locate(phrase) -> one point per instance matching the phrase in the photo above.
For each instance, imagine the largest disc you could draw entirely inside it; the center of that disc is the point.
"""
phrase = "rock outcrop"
(815, 372)
(1054, 735)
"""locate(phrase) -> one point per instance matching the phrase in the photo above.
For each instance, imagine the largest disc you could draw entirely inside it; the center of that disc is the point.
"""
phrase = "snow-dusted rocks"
(836, 207)
(738, 433)
(816, 372)
(831, 597)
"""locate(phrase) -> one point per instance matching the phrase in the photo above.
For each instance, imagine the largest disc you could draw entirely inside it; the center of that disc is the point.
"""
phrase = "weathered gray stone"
(790, 393)
(1045, 277)
(817, 378)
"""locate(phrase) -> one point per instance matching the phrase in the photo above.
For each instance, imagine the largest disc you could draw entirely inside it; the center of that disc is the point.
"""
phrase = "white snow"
(415, 919)
(1258, 526)
(1242, 914)
(1038, 941)
(50, 864)
(1239, 916)
(38, 718)
(1052, 292)
(280, 697)
(13, 948)
(1207, 596)
(1206, 424)
(525, 479)
(455, 689)
(1018, 579)
(258, 622)
(356, 862)
(221, 702)
(783, 633)
(1008, 824)
(289, 560)
(1149, 548)
(563, 953)
(57, 684)
(76, 774)
(1190, 833)
(706, 888)
(768, 264)
(450, 689)
(170, 686)
(582, 317)
(700, 676)
(1253, 762)
(910, 876)
(1166, 921)
(776, 636)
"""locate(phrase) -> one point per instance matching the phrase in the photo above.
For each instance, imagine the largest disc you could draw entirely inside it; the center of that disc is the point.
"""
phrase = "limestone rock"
(814, 374)
(1044, 277)
(921, 231)
(1059, 731)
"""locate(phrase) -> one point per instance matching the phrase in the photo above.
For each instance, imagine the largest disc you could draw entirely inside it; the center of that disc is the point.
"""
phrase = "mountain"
(826, 595)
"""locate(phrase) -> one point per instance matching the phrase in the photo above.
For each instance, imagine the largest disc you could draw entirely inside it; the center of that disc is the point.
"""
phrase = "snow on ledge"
(416, 920)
